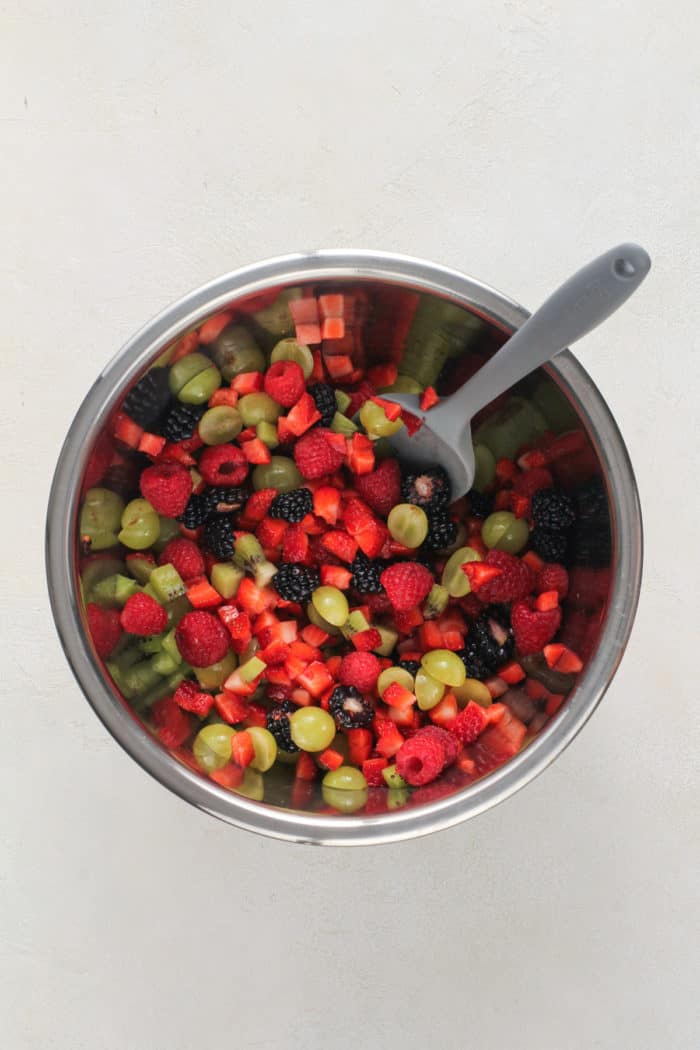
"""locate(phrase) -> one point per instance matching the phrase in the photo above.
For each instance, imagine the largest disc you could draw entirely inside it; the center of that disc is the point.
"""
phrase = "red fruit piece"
(530, 482)
(201, 638)
(553, 577)
(341, 544)
(167, 486)
(381, 489)
(223, 465)
(231, 708)
(315, 456)
(361, 670)
(284, 382)
(516, 579)
(428, 398)
(242, 750)
(143, 615)
(190, 697)
(259, 504)
(372, 770)
(327, 503)
(445, 739)
(420, 760)
(547, 600)
(105, 628)
(172, 724)
(407, 583)
(470, 723)
(301, 417)
(533, 628)
(366, 640)
(185, 556)
(295, 544)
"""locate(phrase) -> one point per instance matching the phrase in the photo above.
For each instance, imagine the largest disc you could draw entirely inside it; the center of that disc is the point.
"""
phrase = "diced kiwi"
(342, 400)
(138, 679)
(140, 566)
(163, 663)
(214, 676)
(114, 590)
(97, 569)
(176, 609)
(226, 578)
(392, 778)
(152, 644)
(340, 424)
(166, 583)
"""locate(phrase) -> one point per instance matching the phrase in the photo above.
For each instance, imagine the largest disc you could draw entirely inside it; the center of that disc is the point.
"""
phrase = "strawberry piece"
(151, 444)
(512, 673)
(534, 561)
(428, 399)
(105, 628)
(303, 416)
(330, 759)
(274, 654)
(327, 503)
(247, 383)
(295, 545)
(255, 599)
(389, 739)
(406, 584)
(190, 697)
(411, 422)
(223, 396)
(230, 776)
(305, 767)
(391, 410)
(533, 460)
(201, 594)
(167, 486)
(314, 635)
(406, 621)
(530, 482)
(360, 454)
(360, 743)
(315, 456)
(396, 695)
(142, 615)
(230, 707)
(372, 771)
(126, 431)
(532, 628)
(238, 625)
(496, 687)
(242, 750)
(336, 576)
(257, 715)
(445, 713)
(383, 375)
(366, 640)
(501, 740)
(340, 544)
(235, 684)
(332, 328)
(214, 326)
(171, 723)
(430, 636)
(479, 574)
(339, 366)
(547, 600)
(315, 678)
(381, 488)
(270, 532)
(562, 659)
(361, 669)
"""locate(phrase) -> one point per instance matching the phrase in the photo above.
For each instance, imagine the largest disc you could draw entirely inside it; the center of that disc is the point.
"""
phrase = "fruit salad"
(279, 599)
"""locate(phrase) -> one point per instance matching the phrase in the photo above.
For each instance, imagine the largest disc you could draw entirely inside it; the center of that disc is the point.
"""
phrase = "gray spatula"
(576, 308)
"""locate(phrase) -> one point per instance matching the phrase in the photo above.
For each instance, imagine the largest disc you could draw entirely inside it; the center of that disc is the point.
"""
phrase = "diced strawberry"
(254, 599)
(327, 503)
(231, 707)
(126, 431)
(445, 713)
(231, 776)
(295, 545)
(288, 631)
(496, 687)
(402, 716)
(383, 375)
(270, 531)
(453, 640)
(242, 750)
(256, 451)
(336, 576)
(546, 601)
(305, 767)
(316, 678)
(214, 326)
(304, 310)
(341, 544)
(389, 739)
(302, 697)
(360, 743)
(372, 770)
(247, 383)
(235, 684)
(430, 636)
(533, 560)
(201, 594)
(512, 673)
(274, 654)
(478, 573)
(308, 334)
(303, 415)
(151, 444)
(405, 622)
(396, 695)
(223, 396)
(314, 635)
(428, 399)
(257, 715)
(330, 759)
(339, 366)
(391, 410)
(360, 453)
(237, 624)
(365, 641)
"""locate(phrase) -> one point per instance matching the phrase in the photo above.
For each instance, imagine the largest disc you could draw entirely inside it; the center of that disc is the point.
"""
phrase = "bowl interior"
(433, 339)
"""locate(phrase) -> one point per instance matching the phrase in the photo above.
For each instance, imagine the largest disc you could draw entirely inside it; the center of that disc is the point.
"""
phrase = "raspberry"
(420, 759)
(172, 723)
(190, 697)
(201, 638)
(315, 456)
(295, 545)
(446, 741)
(515, 581)
(553, 577)
(381, 489)
(361, 670)
(105, 628)
(532, 628)
(407, 583)
(143, 615)
(223, 465)
(185, 556)
(167, 487)
(470, 723)
(284, 382)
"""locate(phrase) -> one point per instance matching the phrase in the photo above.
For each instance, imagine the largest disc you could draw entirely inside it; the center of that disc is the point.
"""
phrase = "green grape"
(258, 408)
(345, 789)
(214, 676)
(252, 785)
(234, 351)
(318, 621)
(169, 530)
(340, 424)
(403, 385)
(331, 604)
(290, 350)
(100, 517)
(226, 578)
(444, 665)
(345, 778)
(311, 728)
(212, 746)
(429, 692)
(276, 320)
(474, 690)
(265, 747)
(502, 531)
(280, 473)
(408, 524)
(456, 581)
(185, 370)
(394, 674)
(342, 400)
(484, 468)
(375, 422)
(140, 525)
(267, 432)
(200, 389)
(220, 424)
(389, 638)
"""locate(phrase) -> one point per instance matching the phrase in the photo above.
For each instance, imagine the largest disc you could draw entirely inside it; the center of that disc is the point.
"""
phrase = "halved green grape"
(280, 473)
(212, 746)
(484, 468)
(290, 350)
(331, 604)
(345, 789)
(429, 692)
(265, 747)
(100, 518)
(276, 320)
(345, 778)
(394, 674)
(214, 676)
(114, 590)
(472, 689)
(318, 621)
(392, 778)
(140, 525)
(340, 424)
(252, 785)
(200, 389)
(408, 524)
(258, 408)
(502, 531)
(456, 581)
(220, 424)
(342, 400)
(375, 422)
(267, 432)
(185, 370)
(445, 666)
(311, 728)
(234, 351)
(436, 602)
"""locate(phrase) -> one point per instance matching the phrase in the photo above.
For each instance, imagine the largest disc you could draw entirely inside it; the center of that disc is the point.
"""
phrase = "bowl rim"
(292, 825)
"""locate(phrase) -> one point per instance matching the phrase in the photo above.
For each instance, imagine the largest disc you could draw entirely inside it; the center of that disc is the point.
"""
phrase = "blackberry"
(551, 546)
(366, 573)
(442, 532)
(292, 506)
(278, 724)
(147, 401)
(218, 538)
(324, 399)
(412, 666)
(349, 708)
(223, 499)
(195, 513)
(480, 503)
(429, 490)
(181, 421)
(553, 509)
(489, 643)
(295, 583)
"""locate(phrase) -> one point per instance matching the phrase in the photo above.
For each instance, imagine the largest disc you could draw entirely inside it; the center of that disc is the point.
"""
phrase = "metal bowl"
(600, 626)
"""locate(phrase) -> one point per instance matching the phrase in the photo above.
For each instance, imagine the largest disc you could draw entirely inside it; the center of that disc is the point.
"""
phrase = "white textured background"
(146, 147)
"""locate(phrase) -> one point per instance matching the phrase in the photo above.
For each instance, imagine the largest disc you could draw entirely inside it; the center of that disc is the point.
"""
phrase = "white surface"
(148, 147)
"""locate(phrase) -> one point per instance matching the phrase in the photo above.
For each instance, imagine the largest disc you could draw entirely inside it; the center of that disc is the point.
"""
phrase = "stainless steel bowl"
(375, 272)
